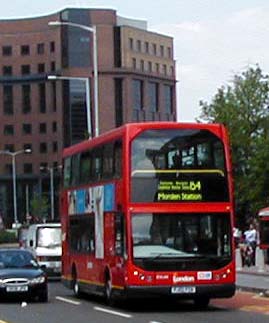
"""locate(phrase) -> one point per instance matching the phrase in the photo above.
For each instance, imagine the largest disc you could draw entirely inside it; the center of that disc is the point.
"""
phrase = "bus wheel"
(201, 302)
(75, 285)
(108, 291)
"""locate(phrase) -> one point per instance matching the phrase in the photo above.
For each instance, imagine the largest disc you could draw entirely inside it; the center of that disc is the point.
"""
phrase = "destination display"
(179, 191)
(192, 188)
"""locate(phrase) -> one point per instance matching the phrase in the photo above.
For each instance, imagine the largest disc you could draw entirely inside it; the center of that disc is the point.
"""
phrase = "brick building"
(136, 82)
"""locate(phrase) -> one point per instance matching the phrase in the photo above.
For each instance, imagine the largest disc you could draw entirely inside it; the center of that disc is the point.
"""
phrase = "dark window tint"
(26, 98)
(7, 70)
(178, 165)
(82, 236)
(8, 130)
(26, 128)
(25, 50)
(8, 99)
(6, 50)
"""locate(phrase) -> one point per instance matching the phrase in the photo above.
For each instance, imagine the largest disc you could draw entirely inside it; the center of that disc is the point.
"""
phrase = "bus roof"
(217, 128)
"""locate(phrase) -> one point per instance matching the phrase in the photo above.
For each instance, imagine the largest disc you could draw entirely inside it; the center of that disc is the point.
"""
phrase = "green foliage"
(243, 107)
(7, 236)
(39, 208)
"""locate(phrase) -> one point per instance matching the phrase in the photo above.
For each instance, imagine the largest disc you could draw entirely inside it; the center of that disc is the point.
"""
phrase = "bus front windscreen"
(170, 240)
(178, 165)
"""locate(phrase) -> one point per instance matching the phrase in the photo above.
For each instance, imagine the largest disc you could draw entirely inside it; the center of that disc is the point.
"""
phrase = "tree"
(39, 208)
(243, 107)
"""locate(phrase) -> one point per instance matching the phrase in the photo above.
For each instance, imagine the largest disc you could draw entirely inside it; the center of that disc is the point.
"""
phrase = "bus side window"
(75, 170)
(97, 163)
(119, 234)
(85, 167)
(108, 161)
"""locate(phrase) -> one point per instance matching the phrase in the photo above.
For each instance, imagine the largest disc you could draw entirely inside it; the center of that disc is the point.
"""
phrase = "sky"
(213, 39)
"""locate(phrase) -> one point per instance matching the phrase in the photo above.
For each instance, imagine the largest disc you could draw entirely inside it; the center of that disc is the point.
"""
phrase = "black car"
(20, 275)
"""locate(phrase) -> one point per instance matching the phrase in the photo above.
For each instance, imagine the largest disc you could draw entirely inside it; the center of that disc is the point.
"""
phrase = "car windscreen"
(17, 259)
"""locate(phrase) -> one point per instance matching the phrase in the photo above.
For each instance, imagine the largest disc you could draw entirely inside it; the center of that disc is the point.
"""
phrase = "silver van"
(44, 240)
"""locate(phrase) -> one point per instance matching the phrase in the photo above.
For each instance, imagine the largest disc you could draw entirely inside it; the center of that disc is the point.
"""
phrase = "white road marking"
(101, 309)
(155, 322)
(67, 300)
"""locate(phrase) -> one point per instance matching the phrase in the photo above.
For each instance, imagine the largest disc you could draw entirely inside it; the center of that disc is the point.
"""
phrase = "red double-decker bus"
(147, 210)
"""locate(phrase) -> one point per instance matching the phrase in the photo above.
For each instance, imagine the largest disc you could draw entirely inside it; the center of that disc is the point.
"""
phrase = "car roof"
(15, 249)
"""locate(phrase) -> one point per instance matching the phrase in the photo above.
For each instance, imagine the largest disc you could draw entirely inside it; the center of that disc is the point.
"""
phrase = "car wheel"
(43, 296)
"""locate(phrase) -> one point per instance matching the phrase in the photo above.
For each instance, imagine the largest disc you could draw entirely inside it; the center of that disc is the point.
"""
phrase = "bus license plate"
(15, 289)
(183, 290)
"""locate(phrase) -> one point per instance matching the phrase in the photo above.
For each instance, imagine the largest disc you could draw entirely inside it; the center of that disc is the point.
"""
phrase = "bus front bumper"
(197, 291)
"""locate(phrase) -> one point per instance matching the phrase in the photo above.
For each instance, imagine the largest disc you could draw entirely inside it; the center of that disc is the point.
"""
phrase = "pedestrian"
(251, 239)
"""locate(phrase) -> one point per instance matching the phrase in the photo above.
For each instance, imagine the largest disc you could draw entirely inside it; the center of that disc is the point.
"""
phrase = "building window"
(146, 47)
(26, 98)
(8, 130)
(52, 66)
(150, 66)
(8, 99)
(9, 147)
(137, 94)
(55, 146)
(54, 126)
(164, 69)
(41, 68)
(154, 49)
(162, 50)
(138, 45)
(142, 65)
(43, 147)
(7, 70)
(25, 50)
(42, 97)
(26, 129)
(131, 43)
(40, 48)
(52, 46)
(42, 128)
(27, 168)
(25, 69)
(6, 50)
(134, 63)
(171, 70)
(157, 67)
(169, 52)
(153, 93)
(54, 96)
(168, 99)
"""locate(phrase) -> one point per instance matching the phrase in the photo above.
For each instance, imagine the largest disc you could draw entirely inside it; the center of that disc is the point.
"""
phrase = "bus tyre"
(201, 302)
(108, 291)
(75, 285)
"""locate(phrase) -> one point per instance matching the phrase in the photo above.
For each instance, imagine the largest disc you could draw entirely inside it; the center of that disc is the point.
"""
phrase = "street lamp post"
(51, 171)
(95, 64)
(13, 156)
(87, 89)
